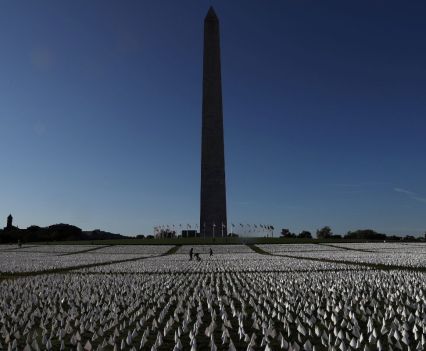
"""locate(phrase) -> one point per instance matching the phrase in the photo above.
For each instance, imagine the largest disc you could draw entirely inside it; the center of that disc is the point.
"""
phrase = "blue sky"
(324, 113)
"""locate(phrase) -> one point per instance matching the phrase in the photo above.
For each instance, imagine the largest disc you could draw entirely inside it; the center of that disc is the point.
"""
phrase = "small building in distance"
(9, 223)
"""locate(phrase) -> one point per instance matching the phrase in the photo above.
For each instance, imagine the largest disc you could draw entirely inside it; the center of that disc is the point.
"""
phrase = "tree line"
(360, 234)
(55, 232)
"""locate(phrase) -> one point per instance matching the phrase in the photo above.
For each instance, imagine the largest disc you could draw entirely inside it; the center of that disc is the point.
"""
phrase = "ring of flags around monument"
(236, 228)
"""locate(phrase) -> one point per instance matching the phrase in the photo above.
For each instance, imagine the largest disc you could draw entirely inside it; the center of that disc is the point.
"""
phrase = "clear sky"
(324, 113)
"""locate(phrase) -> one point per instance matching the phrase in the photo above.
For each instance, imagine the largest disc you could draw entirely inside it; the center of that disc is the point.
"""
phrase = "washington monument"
(213, 190)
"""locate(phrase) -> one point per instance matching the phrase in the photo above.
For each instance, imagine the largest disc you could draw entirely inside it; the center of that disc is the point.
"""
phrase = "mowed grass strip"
(345, 248)
(84, 251)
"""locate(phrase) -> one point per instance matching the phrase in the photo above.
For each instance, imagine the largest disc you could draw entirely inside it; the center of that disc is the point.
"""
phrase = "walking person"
(191, 253)
(211, 252)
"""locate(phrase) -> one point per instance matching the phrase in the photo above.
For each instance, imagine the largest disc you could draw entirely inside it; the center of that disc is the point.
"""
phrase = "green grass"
(258, 250)
(86, 250)
(346, 248)
(172, 251)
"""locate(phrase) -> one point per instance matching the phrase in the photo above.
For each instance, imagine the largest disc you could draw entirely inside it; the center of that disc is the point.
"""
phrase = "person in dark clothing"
(197, 256)
(211, 252)
(191, 253)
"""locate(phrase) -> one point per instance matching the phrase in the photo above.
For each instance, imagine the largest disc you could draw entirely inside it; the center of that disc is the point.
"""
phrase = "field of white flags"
(390, 254)
(258, 297)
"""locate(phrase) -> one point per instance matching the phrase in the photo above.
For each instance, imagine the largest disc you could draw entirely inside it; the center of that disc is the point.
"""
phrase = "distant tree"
(365, 234)
(166, 233)
(392, 238)
(55, 232)
(140, 236)
(62, 231)
(324, 233)
(409, 238)
(188, 233)
(33, 228)
(305, 234)
(150, 236)
(285, 233)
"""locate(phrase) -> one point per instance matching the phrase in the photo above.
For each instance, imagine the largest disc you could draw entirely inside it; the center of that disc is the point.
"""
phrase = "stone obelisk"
(213, 191)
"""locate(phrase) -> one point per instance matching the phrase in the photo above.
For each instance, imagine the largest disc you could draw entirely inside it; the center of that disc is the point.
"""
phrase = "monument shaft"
(213, 190)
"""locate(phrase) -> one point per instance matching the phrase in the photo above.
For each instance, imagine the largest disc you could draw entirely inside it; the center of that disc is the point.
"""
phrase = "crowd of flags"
(236, 228)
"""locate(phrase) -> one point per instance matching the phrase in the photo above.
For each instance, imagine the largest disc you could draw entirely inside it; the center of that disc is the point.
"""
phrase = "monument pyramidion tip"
(211, 15)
